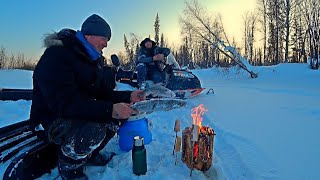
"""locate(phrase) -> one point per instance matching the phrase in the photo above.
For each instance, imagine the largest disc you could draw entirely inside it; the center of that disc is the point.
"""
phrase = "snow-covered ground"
(266, 128)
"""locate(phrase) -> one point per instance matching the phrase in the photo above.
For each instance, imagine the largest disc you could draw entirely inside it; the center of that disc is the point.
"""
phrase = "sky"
(266, 128)
(24, 23)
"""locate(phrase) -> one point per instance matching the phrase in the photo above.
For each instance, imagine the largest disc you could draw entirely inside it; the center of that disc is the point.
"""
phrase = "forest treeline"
(277, 31)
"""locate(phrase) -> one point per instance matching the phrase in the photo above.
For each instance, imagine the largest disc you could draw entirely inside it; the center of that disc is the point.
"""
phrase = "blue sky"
(24, 23)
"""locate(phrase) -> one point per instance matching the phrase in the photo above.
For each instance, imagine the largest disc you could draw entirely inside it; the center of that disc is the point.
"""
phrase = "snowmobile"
(181, 81)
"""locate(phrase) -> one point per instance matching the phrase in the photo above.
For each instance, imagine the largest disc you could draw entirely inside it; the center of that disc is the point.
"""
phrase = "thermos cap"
(138, 141)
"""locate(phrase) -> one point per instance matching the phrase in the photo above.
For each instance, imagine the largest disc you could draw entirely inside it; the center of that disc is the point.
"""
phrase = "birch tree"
(312, 16)
(298, 33)
(262, 8)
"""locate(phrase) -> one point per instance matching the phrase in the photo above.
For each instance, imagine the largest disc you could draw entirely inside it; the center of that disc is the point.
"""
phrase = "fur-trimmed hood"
(57, 38)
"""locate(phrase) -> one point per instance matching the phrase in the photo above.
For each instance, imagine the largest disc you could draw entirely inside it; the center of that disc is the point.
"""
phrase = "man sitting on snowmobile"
(149, 61)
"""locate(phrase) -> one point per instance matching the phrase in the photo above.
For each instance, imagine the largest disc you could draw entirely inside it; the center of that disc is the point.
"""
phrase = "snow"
(15, 79)
(266, 128)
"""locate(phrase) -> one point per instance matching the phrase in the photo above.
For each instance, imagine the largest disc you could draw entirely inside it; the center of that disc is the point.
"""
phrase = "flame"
(197, 113)
(196, 151)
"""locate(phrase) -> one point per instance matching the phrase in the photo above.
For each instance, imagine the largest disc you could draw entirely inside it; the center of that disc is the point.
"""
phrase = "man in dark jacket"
(73, 99)
(150, 58)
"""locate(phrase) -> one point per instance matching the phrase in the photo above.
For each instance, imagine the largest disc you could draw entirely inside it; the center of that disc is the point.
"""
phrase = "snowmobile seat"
(23, 155)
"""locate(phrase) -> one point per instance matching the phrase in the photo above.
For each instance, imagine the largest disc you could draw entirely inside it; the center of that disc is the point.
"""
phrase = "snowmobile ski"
(210, 90)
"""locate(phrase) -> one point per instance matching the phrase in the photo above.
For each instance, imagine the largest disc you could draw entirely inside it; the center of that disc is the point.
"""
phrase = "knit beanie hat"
(96, 25)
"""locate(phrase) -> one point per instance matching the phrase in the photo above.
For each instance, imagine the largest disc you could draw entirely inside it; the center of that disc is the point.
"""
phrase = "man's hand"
(122, 111)
(137, 96)
(158, 57)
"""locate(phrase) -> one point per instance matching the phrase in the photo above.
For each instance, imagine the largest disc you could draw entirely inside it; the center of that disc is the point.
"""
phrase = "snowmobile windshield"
(171, 60)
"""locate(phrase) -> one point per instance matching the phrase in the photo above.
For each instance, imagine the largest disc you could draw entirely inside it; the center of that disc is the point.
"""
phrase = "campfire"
(197, 142)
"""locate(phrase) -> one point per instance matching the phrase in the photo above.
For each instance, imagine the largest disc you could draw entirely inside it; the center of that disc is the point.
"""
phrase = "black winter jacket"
(68, 84)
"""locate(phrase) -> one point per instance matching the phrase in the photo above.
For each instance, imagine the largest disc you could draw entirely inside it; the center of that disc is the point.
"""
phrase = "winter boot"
(75, 174)
(142, 72)
(70, 168)
(142, 85)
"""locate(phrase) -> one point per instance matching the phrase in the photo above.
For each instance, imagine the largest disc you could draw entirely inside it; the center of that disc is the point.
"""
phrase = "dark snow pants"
(78, 140)
(148, 73)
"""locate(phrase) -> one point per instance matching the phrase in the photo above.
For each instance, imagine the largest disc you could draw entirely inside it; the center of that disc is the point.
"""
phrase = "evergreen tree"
(157, 29)
(162, 44)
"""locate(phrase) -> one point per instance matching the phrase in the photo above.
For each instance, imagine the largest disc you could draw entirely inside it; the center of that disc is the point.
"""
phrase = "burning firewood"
(197, 142)
(177, 141)
(177, 126)
(177, 146)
